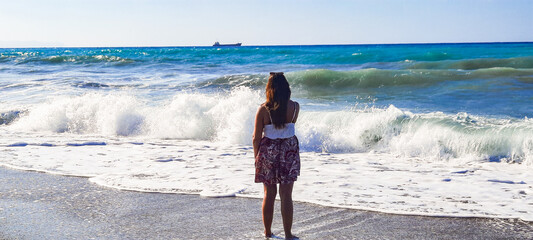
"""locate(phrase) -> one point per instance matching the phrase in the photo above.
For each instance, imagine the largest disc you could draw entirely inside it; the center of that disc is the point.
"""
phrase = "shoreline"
(91, 179)
(45, 206)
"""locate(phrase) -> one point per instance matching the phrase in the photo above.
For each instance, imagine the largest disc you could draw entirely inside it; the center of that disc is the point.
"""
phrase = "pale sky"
(104, 23)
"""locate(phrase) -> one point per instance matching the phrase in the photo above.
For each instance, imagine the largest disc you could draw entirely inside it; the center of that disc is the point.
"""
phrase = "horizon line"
(280, 45)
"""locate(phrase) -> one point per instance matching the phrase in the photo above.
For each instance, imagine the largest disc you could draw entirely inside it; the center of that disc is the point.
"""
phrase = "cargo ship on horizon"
(217, 44)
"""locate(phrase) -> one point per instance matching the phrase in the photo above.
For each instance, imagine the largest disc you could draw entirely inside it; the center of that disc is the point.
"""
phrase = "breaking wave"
(478, 63)
(335, 82)
(228, 118)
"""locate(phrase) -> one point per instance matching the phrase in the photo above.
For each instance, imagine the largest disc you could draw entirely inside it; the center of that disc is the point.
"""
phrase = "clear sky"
(79, 23)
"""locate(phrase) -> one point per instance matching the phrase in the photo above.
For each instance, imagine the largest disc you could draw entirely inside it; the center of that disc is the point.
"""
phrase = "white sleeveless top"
(270, 131)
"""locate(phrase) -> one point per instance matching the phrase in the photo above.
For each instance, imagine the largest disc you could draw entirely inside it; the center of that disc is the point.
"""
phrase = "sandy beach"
(142, 119)
(44, 206)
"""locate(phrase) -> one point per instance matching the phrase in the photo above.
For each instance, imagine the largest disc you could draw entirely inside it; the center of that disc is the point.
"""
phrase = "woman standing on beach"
(276, 150)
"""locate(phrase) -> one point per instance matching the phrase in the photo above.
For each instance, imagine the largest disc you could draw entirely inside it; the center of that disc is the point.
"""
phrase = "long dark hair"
(278, 94)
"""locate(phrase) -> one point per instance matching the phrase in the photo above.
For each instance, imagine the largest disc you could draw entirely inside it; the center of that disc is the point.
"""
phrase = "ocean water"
(429, 129)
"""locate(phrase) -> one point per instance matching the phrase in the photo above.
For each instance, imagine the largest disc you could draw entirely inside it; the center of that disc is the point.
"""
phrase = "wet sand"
(44, 206)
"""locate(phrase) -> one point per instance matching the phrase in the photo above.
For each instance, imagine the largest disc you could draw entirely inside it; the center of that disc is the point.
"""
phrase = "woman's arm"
(296, 111)
(258, 130)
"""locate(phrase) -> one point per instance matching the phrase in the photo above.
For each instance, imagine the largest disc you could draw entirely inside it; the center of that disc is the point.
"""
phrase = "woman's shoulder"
(262, 108)
(295, 103)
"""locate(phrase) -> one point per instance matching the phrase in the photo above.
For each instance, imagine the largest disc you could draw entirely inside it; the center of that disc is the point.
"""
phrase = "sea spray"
(434, 136)
(90, 113)
(226, 117)
(229, 118)
(223, 117)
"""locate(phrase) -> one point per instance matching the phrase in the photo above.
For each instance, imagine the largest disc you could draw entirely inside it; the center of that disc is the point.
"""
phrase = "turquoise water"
(482, 79)
(466, 90)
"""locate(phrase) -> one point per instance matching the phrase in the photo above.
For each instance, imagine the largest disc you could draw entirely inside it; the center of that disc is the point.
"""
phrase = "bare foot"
(272, 236)
(292, 237)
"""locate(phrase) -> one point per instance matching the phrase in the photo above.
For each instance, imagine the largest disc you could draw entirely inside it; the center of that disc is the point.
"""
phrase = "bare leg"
(285, 193)
(268, 207)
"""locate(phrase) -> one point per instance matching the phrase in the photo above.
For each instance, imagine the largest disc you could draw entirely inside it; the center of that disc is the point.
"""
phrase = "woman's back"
(270, 130)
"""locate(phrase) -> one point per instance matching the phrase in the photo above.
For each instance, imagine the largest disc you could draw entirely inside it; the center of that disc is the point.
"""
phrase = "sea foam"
(229, 118)
(371, 181)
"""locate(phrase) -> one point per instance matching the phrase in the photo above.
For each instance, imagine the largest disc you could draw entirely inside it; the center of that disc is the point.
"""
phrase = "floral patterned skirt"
(278, 161)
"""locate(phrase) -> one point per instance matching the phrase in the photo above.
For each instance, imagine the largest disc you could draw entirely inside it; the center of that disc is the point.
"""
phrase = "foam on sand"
(370, 181)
